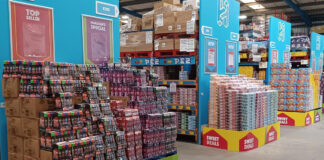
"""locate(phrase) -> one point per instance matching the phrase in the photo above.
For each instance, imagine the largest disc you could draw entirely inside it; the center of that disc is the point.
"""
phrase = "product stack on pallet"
(170, 35)
(62, 111)
(300, 51)
(254, 48)
(322, 91)
(298, 94)
(242, 113)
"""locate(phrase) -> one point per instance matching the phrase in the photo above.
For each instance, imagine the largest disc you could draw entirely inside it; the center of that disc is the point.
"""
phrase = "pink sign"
(31, 32)
(97, 40)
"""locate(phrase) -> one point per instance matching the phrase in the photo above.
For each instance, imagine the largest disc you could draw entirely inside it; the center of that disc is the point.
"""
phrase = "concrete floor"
(296, 143)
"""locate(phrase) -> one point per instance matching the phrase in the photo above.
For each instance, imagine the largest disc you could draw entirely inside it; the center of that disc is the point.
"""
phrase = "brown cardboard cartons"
(127, 49)
(148, 21)
(30, 158)
(10, 87)
(13, 107)
(189, 15)
(164, 44)
(181, 27)
(136, 24)
(171, 1)
(15, 156)
(165, 22)
(178, 45)
(45, 155)
(15, 144)
(30, 127)
(140, 41)
(31, 147)
(158, 5)
(14, 126)
(31, 107)
(107, 85)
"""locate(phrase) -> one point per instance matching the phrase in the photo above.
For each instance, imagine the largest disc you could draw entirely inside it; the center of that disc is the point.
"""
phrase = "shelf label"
(173, 87)
(263, 65)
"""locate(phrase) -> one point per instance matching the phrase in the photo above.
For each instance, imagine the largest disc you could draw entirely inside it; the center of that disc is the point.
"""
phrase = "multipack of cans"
(184, 96)
(241, 103)
(294, 85)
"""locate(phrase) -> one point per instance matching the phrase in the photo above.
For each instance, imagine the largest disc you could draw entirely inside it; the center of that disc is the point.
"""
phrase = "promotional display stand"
(313, 114)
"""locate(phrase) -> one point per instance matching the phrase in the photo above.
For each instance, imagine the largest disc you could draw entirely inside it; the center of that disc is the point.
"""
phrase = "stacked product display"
(322, 89)
(294, 86)
(240, 103)
(62, 111)
(300, 51)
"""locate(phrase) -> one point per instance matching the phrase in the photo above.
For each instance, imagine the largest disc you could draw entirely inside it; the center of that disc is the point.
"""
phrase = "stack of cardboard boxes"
(168, 18)
(22, 122)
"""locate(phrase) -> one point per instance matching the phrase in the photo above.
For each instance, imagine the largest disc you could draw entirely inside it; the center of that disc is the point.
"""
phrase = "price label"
(263, 65)
(304, 62)
(173, 87)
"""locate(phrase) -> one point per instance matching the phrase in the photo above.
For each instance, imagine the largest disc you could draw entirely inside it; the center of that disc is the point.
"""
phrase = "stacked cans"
(295, 89)
(241, 103)
(184, 96)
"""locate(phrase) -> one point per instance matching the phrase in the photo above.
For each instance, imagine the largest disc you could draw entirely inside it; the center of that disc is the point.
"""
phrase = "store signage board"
(106, 9)
(211, 55)
(97, 40)
(317, 50)
(231, 60)
(32, 32)
(217, 55)
(163, 61)
(279, 40)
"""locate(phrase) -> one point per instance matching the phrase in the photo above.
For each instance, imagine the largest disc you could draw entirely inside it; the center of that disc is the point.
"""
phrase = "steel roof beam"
(300, 12)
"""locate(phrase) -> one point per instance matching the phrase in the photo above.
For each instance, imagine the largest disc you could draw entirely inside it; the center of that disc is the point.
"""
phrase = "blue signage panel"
(219, 25)
(279, 43)
(317, 49)
(107, 9)
(163, 61)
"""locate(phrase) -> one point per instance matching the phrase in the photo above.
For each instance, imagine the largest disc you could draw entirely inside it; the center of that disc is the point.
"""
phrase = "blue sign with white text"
(163, 61)
(106, 9)
(279, 43)
(317, 51)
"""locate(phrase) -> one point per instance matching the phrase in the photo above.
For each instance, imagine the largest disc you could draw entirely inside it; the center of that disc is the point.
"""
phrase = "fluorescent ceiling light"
(242, 17)
(256, 6)
(247, 1)
(125, 17)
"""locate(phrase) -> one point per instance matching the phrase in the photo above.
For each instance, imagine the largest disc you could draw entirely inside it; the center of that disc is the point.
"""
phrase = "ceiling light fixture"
(125, 17)
(256, 6)
(242, 17)
(248, 1)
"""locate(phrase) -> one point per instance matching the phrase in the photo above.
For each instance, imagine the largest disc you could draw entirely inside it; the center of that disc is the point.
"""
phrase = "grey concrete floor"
(295, 143)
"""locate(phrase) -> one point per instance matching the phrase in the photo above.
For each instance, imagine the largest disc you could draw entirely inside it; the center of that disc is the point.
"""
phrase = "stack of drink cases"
(240, 103)
(62, 111)
(295, 90)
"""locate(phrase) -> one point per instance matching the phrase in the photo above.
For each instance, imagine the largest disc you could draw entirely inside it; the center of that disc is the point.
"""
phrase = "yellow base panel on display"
(299, 119)
(173, 157)
(240, 141)
(298, 54)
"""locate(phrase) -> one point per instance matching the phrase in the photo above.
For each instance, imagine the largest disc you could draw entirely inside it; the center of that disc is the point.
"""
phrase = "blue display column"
(218, 47)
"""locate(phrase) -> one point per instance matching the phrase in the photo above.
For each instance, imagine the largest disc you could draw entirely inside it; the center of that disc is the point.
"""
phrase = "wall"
(67, 29)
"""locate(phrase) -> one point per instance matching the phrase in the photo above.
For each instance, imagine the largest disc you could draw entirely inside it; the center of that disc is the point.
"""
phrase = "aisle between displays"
(168, 45)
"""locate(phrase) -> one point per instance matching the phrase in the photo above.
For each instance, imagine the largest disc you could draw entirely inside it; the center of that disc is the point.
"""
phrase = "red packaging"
(130, 139)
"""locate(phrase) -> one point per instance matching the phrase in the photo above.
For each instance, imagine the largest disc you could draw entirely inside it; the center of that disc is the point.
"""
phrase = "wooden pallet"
(143, 54)
(173, 53)
(176, 35)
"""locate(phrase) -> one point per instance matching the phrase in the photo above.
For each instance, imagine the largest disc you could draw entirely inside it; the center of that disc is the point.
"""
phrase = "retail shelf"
(249, 64)
(178, 82)
(164, 61)
(182, 107)
(186, 132)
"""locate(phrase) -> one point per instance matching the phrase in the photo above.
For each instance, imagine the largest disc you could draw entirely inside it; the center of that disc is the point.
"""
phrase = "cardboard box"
(186, 44)
(15, 144)
(13, 107)
(184, 27)
(164, 44)
(14, 126)
(188, 15)
(148, 21)
(31, 147)
(158, 5)
(124, 99)
(31, 107)
(10, 87)
(45, 155)
(135, 24)
(137, 41)
(107, 85)
(171, 1)
(165, 22)
(15, 156)
(30, 158)
(30, 127)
